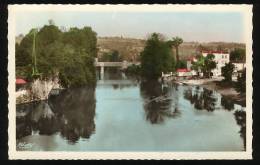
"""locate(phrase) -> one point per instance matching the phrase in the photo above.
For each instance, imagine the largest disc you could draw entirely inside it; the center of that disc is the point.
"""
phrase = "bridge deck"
(115, 64)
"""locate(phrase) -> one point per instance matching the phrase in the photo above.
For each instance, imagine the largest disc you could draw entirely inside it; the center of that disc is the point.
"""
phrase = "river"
(126, 114)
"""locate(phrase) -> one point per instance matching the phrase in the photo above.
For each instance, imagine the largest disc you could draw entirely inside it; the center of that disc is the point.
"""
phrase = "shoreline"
(213, 84)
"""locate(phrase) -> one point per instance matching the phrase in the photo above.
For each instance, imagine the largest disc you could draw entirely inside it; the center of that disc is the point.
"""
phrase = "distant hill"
(130, 48)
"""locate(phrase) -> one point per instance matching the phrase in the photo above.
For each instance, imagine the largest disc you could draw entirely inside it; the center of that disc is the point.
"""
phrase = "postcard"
(130, 81)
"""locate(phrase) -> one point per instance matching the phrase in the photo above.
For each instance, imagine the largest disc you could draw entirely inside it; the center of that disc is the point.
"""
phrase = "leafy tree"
(156, 57)
(227, 71)
(133, 69)
(115, 56)
(182, 64)
(199, 64)
(209, 64)
(111, 57)
(204, 64)
(70, 54)
(238, 55)
(176, 41)
(241, 82)
(23, 52)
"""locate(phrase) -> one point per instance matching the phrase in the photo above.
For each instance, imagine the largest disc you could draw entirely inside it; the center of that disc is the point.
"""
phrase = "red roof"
(215, 52)
(20, 81)
(183, 70)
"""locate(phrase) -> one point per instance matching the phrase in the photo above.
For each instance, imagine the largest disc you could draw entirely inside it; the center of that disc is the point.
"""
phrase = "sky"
(191, 26)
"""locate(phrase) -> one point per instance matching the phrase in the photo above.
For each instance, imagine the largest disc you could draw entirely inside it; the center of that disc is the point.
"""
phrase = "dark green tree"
(238, 55)
(209, 64)
(70, 54)
(241, 82)
(156, 57)
(115, 56)
(182, 64)
(176, 42)
(227, 71)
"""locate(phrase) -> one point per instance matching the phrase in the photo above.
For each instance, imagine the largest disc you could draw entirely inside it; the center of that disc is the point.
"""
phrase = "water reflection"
(227, 103)
(240, 116)
(133, 115)
(71, 113)
(201, 98)
(158, 102)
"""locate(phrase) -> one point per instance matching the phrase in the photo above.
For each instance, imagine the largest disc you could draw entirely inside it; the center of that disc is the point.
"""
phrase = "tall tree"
(209, 64)
(238, 55)
(176, 42)
(156, 57)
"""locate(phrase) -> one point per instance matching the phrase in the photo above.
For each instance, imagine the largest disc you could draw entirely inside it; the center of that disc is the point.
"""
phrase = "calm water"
(123, 114)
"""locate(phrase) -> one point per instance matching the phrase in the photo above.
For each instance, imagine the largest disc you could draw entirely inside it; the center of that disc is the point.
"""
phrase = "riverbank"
(215, 84)
(37, 90)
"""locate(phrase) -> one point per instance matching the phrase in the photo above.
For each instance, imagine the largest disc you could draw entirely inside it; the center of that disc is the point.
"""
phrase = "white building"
(239, 66)
(221, 58)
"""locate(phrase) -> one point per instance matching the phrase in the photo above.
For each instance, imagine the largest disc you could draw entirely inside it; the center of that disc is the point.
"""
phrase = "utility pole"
(34, 68)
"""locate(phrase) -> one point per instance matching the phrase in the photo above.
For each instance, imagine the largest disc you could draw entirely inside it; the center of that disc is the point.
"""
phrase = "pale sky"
(191, 26)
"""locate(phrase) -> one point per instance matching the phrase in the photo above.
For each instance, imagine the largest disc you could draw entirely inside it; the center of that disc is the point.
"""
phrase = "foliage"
(133, 69)
(156, 57)
(111, 57)
(176, 41)
(204, 64)
(241, 82)
(181, 64)
(199, 64)
(227, 71)
(69, 54)
(238, 55)
(209, 64)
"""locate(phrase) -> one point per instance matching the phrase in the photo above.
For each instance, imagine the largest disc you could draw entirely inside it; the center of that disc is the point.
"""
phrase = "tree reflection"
(240, 117)
(227, 103)
(71, 113)
(203, 99)
(157, 102)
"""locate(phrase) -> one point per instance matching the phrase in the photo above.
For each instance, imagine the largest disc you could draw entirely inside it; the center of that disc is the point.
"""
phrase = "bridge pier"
(122, 65)
(102, 70)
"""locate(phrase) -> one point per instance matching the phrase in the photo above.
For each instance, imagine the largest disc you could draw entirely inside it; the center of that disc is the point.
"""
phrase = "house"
(221, 58)
(239, 66)
(20, 87)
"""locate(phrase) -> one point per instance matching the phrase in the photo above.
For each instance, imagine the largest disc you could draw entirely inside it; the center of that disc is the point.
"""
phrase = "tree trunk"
(177, 54)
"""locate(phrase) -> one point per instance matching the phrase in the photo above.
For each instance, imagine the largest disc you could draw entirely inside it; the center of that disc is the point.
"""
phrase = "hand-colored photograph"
(108, 78)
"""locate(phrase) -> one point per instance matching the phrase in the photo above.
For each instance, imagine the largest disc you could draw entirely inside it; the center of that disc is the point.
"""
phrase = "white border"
(246, 10)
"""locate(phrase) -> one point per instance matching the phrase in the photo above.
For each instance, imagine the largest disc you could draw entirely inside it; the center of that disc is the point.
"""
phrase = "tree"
(182, 64)
(204, 64)
(156, 57)
(199, 64)
(227, 71)
(209, 64)
(176, 41)
(69, 54)
(240, 86)
(238, 55)
(111, 56)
